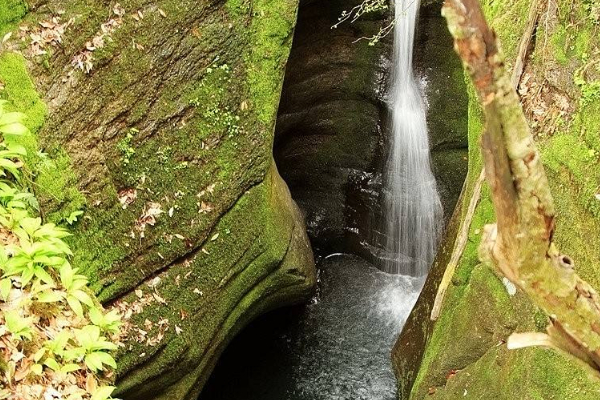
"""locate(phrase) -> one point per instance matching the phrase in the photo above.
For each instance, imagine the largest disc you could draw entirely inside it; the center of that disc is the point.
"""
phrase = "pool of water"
(336, 348)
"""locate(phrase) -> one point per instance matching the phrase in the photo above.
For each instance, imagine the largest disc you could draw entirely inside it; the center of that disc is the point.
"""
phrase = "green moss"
(559, 41)
(272, 28)
(56, 182)
(464, 332)
(238, 272)
(509, 18)
(11, 12)
(572, 161)
(53, 179)
(20, 92)
(503, 373)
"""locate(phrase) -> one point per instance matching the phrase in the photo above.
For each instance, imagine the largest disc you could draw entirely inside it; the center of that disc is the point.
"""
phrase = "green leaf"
(11, 118)
(75, 305)
(9, 166)
(49, 296)
(83, 297)
(26, 276)
(5, 287)
(51, 230)
(102, 393)
(94, 361)
(43, 275)
(73, 354)
(30, 225)
(58, 344)
(87, 336)
(72, 218)
(106, 359)
(37, 369)
(14, 129)
(39, 354)
(52, 363)
(69, 368)
(66, 273)
(96, 316)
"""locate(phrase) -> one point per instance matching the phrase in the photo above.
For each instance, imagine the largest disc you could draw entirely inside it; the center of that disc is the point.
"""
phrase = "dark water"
(335, 349)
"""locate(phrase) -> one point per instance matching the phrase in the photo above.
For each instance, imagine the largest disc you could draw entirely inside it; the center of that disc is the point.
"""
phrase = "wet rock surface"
(332, 127)
(329, 129)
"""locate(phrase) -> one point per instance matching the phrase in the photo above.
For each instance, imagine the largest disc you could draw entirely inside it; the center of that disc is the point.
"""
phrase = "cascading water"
(412, 204)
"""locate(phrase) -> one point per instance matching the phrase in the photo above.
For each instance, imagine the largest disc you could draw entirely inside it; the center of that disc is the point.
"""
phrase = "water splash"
(412, 204)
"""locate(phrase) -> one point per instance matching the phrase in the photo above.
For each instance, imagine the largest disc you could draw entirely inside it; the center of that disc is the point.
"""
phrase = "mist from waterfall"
(413, 210)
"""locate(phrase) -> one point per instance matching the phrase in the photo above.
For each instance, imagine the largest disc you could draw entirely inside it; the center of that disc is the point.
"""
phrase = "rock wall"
(329, 130)
(159, 128)
(332, 130)
(445, 90)
(463, 354)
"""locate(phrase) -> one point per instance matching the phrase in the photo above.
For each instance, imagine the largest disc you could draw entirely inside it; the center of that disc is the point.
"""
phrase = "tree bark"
(520, 244)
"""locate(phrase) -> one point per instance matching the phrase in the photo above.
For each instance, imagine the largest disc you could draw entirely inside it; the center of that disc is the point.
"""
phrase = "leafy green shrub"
(55, 338)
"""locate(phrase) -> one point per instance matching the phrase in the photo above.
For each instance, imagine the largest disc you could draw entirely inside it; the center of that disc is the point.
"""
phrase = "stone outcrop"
(329, 129)
(159, 127)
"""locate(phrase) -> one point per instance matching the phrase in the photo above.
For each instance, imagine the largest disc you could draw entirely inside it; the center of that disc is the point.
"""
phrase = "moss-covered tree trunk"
(521, 245)
(159, 128)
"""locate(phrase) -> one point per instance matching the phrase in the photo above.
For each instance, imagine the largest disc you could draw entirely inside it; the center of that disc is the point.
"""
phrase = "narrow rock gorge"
(192, 201)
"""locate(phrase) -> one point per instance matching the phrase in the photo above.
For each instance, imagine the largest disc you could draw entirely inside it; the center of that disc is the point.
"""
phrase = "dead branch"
(526, 39)
(520, 243)
(459, 248)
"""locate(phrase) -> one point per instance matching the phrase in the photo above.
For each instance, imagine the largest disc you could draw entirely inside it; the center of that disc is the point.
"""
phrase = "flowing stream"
(412, 205)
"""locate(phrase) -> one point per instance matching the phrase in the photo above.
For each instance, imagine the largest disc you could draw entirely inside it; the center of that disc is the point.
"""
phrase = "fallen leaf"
(127, 196)
(158, 298)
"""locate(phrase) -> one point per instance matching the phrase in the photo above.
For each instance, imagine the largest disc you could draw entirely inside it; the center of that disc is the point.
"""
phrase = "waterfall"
(413, 210)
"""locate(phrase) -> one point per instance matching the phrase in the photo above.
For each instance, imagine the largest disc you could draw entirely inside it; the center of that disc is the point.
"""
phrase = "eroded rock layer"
(160, 129)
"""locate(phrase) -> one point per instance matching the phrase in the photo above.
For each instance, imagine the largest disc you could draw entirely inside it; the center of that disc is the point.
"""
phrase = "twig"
(459, 248)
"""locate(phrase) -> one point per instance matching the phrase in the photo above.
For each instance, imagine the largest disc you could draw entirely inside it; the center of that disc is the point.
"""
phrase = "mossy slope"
(465, 354)
(177, 113)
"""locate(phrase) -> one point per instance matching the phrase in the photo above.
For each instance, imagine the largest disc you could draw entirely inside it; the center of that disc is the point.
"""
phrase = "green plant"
(125, 147)
(92, 348)
(18, 326)
(218, 117)
(109, 322)
(48, 320)
(72, 218)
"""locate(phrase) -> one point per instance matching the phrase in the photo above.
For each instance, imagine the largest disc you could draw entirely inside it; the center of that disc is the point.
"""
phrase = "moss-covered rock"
(165, 144)
(463, 354)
